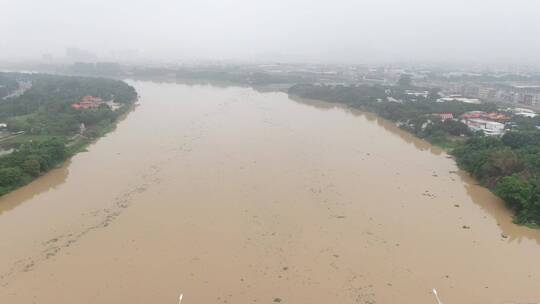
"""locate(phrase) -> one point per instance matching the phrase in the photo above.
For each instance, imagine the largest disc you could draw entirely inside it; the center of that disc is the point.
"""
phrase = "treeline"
(413, 113)
(29, 161)
(57, 93)
(45, 109)
(509, 165)
(355, 96)
(239, 76)
(376, 98)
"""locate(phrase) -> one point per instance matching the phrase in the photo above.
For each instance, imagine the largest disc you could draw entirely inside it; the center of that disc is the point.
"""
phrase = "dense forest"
(509, 165)
(48, 129)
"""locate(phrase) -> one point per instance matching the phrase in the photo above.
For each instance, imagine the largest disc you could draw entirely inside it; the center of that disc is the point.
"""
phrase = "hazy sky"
(293, 30)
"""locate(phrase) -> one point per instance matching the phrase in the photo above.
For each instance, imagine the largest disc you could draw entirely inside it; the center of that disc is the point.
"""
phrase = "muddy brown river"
(229, 195)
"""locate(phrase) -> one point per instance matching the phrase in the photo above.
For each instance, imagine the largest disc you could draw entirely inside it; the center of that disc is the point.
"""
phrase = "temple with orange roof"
(88, 102)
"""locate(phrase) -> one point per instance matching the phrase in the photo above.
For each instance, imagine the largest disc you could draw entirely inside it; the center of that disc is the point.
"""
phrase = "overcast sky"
(353, 31)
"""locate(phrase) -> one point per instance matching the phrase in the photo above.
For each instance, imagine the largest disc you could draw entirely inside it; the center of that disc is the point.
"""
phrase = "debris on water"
(428, 194)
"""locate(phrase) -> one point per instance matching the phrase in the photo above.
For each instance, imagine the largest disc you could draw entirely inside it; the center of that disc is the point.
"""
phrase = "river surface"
(229, 195)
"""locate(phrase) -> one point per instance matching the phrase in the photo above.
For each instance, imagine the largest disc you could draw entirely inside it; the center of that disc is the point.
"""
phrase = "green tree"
(10, 176)
(32, 166)
(514, 190)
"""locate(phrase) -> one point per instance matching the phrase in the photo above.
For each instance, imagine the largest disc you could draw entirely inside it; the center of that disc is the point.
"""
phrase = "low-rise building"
(474, 114)
(417, 93)
(499, 117)
(490, 128)
(88, 102)
(446, 116)
(493, 116)
(113, 105)
(460, 99)
(524, 112)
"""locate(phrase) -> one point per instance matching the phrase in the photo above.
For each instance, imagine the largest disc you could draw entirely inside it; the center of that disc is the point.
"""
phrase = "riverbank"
(507, 166)
(70, 148)
(55, 118)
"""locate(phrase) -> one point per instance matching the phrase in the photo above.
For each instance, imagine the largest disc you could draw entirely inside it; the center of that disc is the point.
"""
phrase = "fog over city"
(340, 31)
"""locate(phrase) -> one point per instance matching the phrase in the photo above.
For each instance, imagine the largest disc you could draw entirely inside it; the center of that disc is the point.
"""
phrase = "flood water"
(229, 195)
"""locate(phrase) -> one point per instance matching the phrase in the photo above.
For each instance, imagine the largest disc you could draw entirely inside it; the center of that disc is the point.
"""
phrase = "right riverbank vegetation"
(506, 161)
(45, 119)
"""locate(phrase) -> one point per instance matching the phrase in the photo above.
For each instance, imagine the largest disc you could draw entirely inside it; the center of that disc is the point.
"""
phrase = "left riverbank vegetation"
(54, 118)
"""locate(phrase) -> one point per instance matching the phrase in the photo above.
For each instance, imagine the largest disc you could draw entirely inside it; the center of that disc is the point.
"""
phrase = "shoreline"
(79, 145)
(447, 150)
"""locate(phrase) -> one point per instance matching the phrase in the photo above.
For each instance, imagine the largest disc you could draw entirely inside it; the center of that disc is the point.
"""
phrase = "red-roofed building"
(497, 116)
(474, 114)
(88, 102)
